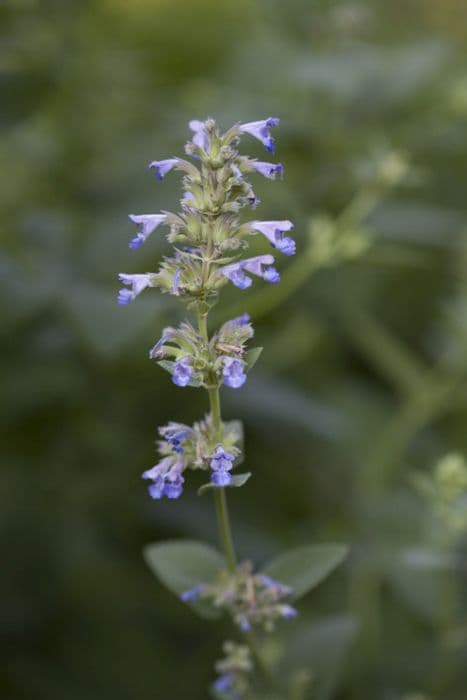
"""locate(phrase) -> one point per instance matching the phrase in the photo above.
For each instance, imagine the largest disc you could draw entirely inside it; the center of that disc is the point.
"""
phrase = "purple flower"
(242, 320)
(224, 683)
(221, 464)
(192, 594)
(149, 223)
(137, 283)
(175, 436)
(269, 170)
(288, 612)
(200, 138)
(272, 276)
(232, 373)
(124, 296)
(260, 130)
(159, 469)
(156, 489)
(182, 371)
(176, 281)
(155, 352)
(236, 275)
(222, 459)
(274, 230)
(236, 171)
(157, 475)
(276, 586)
(235, 272)
(253, 200)
(221, 478)
(244, 625)
(166, 477)
(162, 167)
(255, 265)
(173, 486)
(175, 442)
(267, 581)
(187, 199)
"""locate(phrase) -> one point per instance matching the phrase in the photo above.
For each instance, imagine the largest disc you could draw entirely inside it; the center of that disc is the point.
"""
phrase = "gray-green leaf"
(251, 357)
(304, 568)
(237, 480)
(183, 564)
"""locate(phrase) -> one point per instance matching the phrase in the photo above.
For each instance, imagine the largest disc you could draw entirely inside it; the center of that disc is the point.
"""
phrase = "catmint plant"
(210, 241)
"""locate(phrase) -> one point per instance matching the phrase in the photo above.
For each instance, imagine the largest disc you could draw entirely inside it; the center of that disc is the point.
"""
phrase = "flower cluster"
(252, 600)
(184, 447)
(208, 228)
(233, 670)
(197, 362)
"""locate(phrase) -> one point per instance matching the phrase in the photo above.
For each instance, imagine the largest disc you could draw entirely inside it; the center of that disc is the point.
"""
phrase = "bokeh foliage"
(363, 379)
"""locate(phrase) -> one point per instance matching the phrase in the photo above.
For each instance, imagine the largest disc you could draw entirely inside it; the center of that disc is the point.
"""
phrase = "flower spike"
(209, 241)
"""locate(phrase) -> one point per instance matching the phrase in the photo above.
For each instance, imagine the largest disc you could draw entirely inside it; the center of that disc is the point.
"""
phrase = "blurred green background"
(363, 379)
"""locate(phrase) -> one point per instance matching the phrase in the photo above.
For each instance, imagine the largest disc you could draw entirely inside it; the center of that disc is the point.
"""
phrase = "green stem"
(225, 532)
(222, 512)
(215, 405)
(220, 500)
(203, 326)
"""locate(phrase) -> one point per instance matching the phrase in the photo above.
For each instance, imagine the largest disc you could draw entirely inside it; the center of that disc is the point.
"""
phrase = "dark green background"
(364, 374)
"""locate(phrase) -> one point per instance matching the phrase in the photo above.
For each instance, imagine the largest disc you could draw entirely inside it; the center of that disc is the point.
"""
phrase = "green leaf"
(251, 357)
(168, 365)
(183, 564)
(304, 568)
(237, 481)
(234, 430)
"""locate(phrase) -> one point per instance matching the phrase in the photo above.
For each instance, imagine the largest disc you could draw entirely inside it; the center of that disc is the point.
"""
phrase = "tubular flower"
(260, 130)
(156, 352)
(274, 232)
(261, 266)
(232, 373)
(149, 223)
(162, 167)
(166, 478)
(192, 594)
(269, 170)
(221, 464)
(175, 435)
(137, 283)
(201, 137)
(182, 371)
(242, 320)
